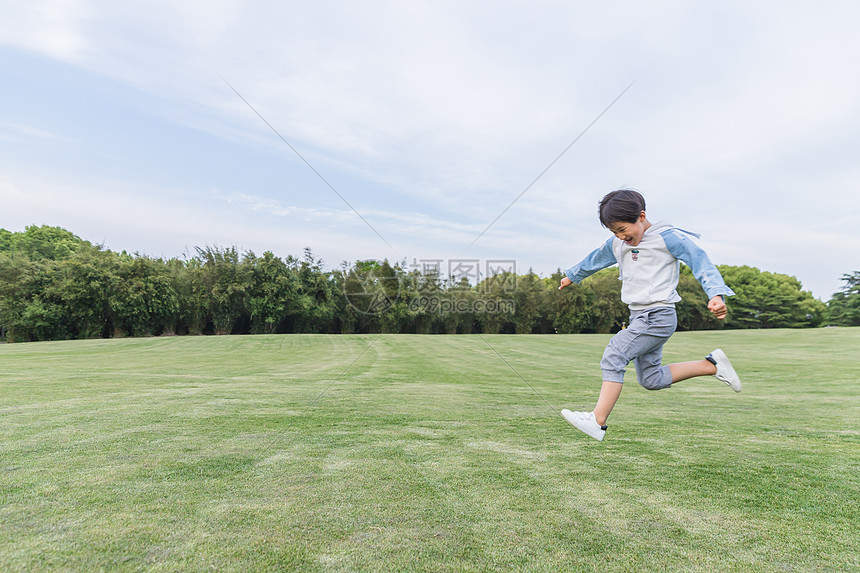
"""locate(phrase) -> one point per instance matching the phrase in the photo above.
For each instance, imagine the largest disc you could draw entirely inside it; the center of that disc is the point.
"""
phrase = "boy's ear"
(642, 216)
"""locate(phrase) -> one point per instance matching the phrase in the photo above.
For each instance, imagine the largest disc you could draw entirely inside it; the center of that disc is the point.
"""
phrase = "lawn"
(435, 453)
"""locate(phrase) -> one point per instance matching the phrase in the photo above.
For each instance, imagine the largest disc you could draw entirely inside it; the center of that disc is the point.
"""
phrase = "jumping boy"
(647, 255)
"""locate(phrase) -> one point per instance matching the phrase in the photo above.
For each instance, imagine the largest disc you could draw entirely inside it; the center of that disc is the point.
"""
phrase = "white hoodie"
(649, 271)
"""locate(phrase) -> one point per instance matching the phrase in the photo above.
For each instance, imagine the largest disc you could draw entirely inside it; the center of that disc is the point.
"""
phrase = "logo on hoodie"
(635, 254)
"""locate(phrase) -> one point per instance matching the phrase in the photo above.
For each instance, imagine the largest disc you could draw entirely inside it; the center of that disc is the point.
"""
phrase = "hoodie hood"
(658, 227)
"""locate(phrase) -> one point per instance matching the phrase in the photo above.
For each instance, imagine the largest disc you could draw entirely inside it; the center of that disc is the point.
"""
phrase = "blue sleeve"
(694, 257)
(599, 258)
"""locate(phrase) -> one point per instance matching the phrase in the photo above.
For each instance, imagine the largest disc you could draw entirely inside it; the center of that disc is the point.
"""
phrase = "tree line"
(55, 285)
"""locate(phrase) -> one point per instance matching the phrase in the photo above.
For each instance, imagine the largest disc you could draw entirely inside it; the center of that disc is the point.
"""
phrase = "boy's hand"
(565, 282)
(717, 306)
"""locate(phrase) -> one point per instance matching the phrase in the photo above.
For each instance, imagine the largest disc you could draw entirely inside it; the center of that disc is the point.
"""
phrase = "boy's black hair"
(622, 206)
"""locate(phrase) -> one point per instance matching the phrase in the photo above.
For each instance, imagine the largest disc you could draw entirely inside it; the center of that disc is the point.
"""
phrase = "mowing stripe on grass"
(551, 407)
(311, 405)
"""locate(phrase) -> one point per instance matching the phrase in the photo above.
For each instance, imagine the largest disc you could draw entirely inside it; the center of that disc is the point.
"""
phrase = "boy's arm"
(598, 259)
(703, 269)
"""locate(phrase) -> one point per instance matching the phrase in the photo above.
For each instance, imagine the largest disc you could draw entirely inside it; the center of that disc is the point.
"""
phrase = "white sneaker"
(725, 371)
(585, 422)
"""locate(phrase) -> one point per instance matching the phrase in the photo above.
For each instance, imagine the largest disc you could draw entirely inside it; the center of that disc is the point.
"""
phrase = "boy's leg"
(716, 364)
(609, 393)
(650, 371)
(686, 370)
(613, 365)
(644, 337)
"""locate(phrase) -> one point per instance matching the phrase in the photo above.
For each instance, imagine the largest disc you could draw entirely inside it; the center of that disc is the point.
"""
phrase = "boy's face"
(630, 233)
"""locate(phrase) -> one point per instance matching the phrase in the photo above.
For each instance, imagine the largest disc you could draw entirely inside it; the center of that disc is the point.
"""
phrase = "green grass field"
(275, 453)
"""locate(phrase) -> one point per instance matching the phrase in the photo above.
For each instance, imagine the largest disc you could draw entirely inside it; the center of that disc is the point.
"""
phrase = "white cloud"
(19, 132)
(49, 27)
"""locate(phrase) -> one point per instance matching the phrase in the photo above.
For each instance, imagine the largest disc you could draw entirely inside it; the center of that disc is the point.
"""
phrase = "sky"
(405, 129)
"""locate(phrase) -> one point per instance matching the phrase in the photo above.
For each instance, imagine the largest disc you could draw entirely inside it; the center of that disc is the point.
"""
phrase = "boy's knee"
(656, 379)
(613, 361)
(612, 372)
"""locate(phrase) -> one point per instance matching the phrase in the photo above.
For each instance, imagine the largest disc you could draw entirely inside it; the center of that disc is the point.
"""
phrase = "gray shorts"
(642, 343)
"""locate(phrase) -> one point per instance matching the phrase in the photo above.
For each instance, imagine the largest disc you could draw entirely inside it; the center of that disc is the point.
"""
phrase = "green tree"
(415, 289)
(572, 307)
(5, 241)
(318, 292)
(608, 310)
(191, 282)
(347, 314)
(529, 299)
(45, 242)
(843, 309)
(84, 290)
(496, 305)
(44, 293)
(692, 311)
(769, 300)
(371, 291)
(226, 285)
(24, 314)
(143, 298)
(274, 294)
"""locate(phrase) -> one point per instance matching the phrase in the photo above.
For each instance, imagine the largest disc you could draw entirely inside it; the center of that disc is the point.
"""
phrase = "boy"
(647, 256)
